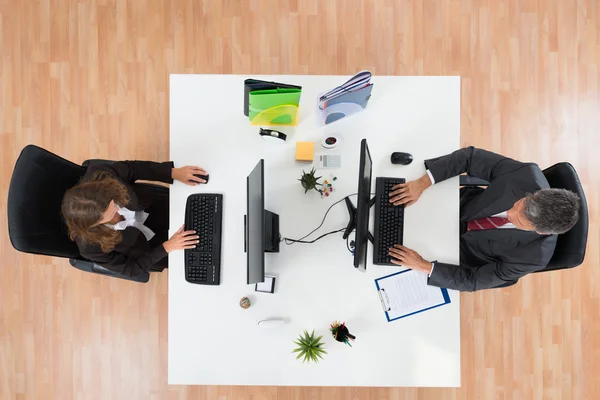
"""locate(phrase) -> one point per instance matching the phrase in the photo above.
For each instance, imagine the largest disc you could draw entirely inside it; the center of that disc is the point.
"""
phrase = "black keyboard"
(203, 213)
(389, 221)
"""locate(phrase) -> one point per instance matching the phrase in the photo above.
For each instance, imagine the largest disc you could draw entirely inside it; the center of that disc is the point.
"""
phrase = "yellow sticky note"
(305, 151)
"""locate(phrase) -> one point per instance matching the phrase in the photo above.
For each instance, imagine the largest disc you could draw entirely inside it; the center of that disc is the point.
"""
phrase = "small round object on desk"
(245, 302)
(330, 142)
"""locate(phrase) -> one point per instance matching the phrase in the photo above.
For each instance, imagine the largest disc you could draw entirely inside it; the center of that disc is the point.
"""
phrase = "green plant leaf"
(310, 347)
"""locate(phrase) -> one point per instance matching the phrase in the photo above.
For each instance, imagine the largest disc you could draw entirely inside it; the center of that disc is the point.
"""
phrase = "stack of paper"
(406, 293)
(346, 99)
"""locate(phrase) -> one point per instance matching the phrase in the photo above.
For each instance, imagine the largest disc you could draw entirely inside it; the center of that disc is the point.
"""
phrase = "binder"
(359, 80)
(347, 104)
(282, 102)
(346, 99)
(251, 85)
(277, 116)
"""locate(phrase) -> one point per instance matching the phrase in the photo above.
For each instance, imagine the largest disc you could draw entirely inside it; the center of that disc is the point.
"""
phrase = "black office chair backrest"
(570, 247)
(37, 186)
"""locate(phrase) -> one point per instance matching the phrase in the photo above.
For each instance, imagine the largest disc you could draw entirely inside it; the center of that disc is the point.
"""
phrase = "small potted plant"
(310, 348)
(309, 181)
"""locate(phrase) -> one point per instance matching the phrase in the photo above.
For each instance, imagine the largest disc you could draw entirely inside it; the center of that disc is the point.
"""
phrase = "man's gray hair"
(552, 211)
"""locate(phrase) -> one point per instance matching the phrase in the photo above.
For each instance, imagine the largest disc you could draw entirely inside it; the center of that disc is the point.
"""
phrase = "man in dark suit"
(508, 230)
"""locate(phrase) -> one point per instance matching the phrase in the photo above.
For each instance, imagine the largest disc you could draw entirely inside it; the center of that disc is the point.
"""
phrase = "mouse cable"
(289, 241)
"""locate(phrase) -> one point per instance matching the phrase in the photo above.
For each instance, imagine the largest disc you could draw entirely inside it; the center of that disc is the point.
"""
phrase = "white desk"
(212, 340)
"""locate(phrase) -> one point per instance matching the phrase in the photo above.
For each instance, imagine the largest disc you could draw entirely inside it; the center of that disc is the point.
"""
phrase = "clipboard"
(397, 303)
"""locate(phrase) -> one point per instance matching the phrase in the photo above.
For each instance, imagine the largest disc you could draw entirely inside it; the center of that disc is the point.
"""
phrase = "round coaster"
(329, 142)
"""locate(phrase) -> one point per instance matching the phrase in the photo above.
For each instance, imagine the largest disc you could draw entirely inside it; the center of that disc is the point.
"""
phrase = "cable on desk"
(292, 241)
(289, 241)
(351, 250)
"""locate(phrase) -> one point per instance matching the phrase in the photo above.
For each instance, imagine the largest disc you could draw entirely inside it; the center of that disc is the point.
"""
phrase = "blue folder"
(346, 104)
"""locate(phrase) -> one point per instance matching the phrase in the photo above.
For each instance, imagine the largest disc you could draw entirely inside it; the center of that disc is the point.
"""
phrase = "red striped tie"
(486, 223)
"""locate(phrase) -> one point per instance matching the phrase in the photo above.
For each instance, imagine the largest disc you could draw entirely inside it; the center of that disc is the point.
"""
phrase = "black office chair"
(570, 246)
(35, 223)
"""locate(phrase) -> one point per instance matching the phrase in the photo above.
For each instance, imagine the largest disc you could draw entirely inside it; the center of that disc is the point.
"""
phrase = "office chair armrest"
(96, 161)
(89, 266)
(466, 180)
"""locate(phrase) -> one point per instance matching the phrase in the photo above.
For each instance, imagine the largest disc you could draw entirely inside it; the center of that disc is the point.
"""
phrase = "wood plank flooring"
(90, 79)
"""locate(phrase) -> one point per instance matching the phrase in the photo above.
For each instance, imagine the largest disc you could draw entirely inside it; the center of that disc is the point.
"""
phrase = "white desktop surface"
(212, 340)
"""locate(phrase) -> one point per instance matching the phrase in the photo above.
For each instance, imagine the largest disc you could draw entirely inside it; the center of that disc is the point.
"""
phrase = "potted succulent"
(310, 348)
(309, 181)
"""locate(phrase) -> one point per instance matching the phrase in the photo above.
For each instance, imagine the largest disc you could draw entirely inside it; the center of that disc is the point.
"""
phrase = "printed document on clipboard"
(406, 293)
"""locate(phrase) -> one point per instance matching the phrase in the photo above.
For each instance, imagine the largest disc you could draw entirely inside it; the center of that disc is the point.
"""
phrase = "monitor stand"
(352, 224)
(272, 236)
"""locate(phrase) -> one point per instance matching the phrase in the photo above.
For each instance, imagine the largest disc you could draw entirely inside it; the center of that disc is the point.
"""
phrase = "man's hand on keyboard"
(408, 193)
(406, 257)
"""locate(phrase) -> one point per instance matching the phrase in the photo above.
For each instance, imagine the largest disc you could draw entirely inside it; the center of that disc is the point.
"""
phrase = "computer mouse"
(271, 323)
(401, 158)
(205, 177)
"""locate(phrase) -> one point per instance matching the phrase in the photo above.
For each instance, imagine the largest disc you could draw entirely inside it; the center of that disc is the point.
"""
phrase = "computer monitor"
(261, 226)
(363, 205)
(359, 215)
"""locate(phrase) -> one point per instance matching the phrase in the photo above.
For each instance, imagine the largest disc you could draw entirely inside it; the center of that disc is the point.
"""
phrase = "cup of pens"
(340, 333)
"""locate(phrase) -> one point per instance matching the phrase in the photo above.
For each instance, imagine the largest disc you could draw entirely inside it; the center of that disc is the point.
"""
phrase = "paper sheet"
(329, 160)
(407, 293)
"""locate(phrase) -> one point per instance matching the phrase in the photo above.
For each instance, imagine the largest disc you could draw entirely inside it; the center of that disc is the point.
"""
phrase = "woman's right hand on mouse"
(181, 240)
(409, 193)
(188, 174)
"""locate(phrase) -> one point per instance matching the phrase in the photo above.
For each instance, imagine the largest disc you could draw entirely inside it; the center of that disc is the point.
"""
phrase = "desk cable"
(289, 241)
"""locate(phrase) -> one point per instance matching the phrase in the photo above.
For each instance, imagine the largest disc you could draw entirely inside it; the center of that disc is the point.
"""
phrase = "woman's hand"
(186, 175)
(409, 193)
(181, 240)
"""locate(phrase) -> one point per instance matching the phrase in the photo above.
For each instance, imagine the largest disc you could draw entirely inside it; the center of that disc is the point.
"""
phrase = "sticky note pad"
(305, 151)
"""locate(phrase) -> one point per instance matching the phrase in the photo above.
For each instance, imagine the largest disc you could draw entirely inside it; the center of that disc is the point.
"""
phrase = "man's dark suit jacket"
(493, 257)
(134, 253)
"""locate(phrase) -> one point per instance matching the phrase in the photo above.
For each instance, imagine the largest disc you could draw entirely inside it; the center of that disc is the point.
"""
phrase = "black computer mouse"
(401, 158)
(205, 177)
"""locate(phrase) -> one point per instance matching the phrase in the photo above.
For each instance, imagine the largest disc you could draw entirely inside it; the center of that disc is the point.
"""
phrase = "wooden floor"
(90, 79)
